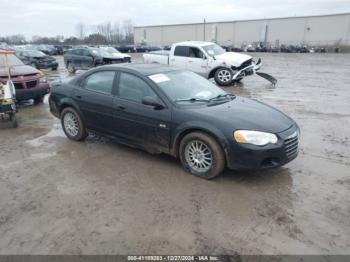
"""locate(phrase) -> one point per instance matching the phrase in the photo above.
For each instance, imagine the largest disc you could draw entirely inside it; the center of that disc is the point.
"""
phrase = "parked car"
(126, 48)
(162, 109)
(122, 58)
(37, 59)
(89, 57)
(62, 49)
(28, 81)
(209, 60)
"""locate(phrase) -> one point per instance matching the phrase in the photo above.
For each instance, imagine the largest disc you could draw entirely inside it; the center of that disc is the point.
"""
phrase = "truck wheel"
(223, 76)
(72, 124)
(70, 67)
(201, 155)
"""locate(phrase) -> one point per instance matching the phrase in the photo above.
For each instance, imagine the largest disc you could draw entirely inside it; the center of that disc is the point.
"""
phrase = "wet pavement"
(97, 197)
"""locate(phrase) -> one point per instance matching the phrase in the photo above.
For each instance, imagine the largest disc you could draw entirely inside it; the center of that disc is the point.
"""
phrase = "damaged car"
(37, 59)
(88, 57)
(209, 60)
(164, 109)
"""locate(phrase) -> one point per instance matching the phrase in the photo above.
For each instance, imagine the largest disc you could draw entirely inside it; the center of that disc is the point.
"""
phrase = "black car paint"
(40, 62)
(85, 58)
(161, 130)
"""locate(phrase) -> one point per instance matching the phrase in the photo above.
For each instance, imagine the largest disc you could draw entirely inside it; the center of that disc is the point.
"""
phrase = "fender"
(212, 71)
(195, 125)
(67, 101)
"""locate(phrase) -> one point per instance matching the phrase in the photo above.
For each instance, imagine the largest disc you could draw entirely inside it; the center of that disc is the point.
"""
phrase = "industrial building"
(320, 30)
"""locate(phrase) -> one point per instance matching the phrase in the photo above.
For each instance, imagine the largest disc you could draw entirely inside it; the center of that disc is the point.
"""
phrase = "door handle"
(121, 107)
(77, 96)
(190, 61)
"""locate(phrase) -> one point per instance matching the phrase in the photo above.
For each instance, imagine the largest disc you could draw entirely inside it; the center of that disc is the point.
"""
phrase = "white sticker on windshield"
(158, 78)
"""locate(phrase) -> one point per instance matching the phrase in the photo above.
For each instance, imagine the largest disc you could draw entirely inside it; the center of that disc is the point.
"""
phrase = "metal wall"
(311, 30)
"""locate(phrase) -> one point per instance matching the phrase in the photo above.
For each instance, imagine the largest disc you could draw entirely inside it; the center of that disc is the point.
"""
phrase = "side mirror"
(204, 57)
(151, 101)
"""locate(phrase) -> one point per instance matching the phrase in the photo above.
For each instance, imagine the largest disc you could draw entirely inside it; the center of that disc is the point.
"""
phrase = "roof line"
(246, 20)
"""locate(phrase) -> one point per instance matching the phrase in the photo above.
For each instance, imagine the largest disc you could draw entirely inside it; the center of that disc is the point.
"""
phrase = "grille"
(127, 59)
(18, 85)
(245, 64)
(31, 84)
(291, 145)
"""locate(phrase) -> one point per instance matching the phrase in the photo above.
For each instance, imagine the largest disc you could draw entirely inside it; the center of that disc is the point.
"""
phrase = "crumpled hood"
(247, 114)
(116, 56)
(19, 70)
(233, 58)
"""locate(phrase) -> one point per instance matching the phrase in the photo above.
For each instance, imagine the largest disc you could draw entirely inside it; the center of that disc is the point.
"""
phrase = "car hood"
(247, 114)
(116, 56)
(19, 70)
(233, 58)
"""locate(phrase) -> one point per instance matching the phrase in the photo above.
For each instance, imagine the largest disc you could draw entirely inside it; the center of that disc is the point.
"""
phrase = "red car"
(29, 82)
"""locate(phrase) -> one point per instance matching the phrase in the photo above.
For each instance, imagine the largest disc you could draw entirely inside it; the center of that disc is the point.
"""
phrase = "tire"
(54, 68)
(223, 76)
(38, 99)
(13, 119)
(71, 68)
(208, 150)
(72, 124)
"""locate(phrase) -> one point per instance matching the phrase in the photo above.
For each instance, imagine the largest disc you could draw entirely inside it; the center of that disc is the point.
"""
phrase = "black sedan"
(166, 110)
(37, 59)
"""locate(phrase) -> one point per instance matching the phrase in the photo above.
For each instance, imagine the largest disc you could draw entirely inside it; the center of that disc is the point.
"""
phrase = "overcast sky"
(59, 17)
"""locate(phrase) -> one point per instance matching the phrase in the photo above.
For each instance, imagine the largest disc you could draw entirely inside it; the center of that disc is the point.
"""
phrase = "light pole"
(204, 30)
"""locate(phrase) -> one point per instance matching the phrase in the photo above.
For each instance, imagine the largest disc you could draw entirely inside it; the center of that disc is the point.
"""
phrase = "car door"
(87, 59)
(197, 61)
(138, 123)
(94, 97)
(180, 58)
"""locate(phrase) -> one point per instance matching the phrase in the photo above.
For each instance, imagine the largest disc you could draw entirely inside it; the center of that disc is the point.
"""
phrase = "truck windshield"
(213, 50)
(186, 86)
(12, 60)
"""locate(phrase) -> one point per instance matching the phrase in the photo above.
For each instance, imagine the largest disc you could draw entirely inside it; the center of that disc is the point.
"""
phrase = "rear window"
(181, 51)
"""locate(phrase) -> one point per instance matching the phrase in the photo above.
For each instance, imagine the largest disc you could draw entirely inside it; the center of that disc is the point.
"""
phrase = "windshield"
(110, 50)
(34, 53)
(100, 52)
(183, 86)
(12, 60)
(213, 50)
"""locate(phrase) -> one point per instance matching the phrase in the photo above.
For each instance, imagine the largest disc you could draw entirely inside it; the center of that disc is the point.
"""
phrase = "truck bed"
(157, 57)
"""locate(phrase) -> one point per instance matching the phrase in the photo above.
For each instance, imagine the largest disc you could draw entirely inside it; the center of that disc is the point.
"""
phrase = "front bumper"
(248, 70)
(251, 157)
(47, 65)
(32, 93)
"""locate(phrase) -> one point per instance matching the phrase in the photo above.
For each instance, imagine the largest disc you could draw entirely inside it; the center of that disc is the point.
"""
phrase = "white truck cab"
(207, 59)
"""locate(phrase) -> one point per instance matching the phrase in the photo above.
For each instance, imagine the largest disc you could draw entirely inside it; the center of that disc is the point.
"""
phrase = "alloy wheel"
(70, 123)
(224, 75)
(198, 156)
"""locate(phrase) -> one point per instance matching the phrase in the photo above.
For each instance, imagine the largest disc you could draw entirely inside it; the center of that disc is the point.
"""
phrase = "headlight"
(43, 79)
(254, 137)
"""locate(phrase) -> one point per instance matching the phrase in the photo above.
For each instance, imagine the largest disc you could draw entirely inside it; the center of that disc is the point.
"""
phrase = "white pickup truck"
(209, 60)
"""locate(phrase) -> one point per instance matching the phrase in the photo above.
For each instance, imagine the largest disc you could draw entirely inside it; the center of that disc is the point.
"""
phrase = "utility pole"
(204, 30)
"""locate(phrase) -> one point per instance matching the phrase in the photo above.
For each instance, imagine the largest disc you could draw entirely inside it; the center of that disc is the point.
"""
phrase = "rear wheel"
(201, 155)
(223, 76)
(71, 68)
(72, 124)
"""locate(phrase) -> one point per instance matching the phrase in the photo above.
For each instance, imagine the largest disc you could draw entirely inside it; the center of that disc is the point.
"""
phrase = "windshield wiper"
(192, 100)
(221, 96)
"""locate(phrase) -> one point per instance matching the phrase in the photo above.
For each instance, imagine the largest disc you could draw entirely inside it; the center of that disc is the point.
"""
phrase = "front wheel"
(223, 76)
(72, 124)
(70, 67)
(201, 155)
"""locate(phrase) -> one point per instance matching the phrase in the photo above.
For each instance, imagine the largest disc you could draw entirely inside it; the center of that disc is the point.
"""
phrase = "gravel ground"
(98, 197)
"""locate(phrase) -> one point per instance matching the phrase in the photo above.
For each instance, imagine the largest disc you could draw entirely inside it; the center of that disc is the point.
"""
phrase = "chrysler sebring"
(162, 109)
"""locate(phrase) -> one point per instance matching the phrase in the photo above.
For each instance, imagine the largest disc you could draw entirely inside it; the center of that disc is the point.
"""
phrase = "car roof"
(145, 69)
(195, 43)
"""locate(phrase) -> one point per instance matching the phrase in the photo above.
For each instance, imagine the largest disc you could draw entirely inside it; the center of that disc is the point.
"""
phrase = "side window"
(76, 52)
(100, 82)
(85, 52)
(134, 88)
(195, 52)
(181, 51)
